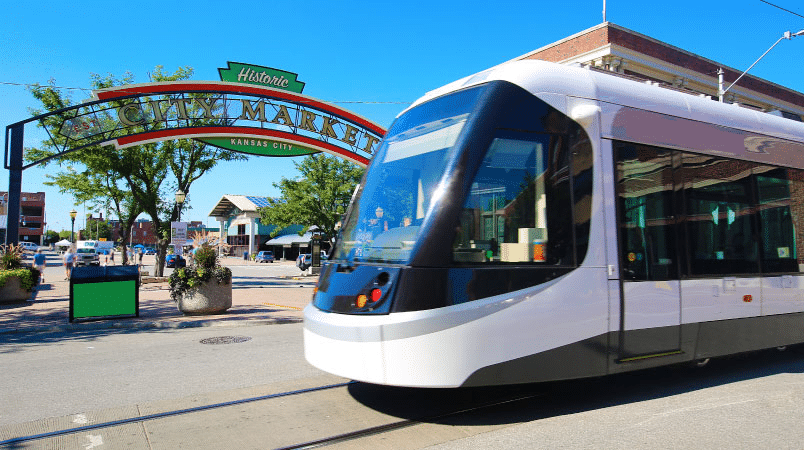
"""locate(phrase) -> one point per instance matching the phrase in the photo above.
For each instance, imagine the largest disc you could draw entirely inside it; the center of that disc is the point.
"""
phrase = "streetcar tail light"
(376, 295)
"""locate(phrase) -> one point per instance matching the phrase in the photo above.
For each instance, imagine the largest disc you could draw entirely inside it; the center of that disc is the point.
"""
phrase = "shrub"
(206, 257)
(11, 266)
(204, 269)
(11, 256)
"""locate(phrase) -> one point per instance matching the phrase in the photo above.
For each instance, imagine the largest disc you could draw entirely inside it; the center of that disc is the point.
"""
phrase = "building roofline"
(703, 65)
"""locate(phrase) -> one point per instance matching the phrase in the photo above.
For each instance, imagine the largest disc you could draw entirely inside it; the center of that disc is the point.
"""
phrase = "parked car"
(29, 246)
(175, 261)
(264, 256)
(304, 261)
(150, 251)
(86, 256)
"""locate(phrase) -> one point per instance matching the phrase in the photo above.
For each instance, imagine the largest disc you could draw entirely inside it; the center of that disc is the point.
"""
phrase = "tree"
(51, 237)
(132, 180)
(318, 198)
(97, 229)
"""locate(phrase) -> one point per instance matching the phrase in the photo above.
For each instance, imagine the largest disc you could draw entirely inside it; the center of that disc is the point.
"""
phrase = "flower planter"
(12, 292)
(208, 298)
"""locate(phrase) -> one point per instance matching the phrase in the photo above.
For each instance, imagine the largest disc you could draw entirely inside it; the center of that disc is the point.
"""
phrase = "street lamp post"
(180, 196)
(72, 225)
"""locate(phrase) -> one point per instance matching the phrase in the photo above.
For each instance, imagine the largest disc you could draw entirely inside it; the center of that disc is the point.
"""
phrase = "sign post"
(178, 236)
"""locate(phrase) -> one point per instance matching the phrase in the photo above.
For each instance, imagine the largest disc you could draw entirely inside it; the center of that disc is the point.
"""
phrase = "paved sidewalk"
(255, 301)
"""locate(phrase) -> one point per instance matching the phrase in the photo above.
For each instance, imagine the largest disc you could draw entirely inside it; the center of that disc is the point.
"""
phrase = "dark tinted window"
(516, 210)
(647, 221)
(720, 222)
(779, 216)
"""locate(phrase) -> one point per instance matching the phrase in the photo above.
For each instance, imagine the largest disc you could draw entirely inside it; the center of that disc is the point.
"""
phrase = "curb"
(154, 325)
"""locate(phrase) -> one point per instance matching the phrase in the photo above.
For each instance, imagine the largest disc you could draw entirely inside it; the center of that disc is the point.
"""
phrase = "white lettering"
(243, 76)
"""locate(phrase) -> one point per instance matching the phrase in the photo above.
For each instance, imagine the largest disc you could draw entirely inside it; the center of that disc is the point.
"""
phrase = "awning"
(291, 239)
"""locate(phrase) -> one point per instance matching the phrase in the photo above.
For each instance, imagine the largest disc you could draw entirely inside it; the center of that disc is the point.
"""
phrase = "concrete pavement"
(256, 300)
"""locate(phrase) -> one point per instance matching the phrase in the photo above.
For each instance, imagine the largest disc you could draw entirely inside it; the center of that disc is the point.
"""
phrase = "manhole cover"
(225, 340)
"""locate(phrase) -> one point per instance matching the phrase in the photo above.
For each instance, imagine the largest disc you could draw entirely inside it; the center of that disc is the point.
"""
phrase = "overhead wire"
(364, 102)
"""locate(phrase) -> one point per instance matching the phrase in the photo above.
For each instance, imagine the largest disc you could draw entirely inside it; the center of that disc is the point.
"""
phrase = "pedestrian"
(69, 261)
(111, 256)
(142, 251)
(39, 264)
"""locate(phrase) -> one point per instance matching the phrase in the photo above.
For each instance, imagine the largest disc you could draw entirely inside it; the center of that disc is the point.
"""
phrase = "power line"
(28, 85)
(777, 6)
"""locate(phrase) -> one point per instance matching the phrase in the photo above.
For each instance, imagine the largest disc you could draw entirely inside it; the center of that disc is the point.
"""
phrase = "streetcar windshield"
(403, 181)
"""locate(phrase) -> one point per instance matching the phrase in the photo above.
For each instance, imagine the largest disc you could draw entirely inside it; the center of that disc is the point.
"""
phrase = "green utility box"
(104, 292)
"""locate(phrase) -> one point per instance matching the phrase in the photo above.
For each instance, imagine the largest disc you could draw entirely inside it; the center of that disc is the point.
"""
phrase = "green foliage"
(97, 229)
(28, 276)
(51, 237)
(11, 256)
(319, 198)
(206, 257)
(204, 269)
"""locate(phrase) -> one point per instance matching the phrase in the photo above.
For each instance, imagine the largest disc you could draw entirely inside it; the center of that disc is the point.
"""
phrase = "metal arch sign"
(262, 113)
(242, 117)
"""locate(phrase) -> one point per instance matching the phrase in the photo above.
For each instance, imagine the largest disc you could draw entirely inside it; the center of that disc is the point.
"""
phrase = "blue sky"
(357, 51)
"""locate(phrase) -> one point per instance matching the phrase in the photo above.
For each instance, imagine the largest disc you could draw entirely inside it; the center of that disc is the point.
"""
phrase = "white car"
(29, 246)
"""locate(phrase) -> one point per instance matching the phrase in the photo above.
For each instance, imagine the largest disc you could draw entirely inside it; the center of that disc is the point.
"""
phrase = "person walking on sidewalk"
(69, 261)
(111, 257)
(39, 264)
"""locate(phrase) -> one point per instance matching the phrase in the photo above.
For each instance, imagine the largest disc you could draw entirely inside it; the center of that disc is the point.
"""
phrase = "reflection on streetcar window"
(403, 181)
(518, 208)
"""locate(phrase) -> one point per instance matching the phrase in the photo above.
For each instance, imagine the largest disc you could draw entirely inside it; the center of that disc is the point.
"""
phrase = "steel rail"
(167, 414)
(370, 431)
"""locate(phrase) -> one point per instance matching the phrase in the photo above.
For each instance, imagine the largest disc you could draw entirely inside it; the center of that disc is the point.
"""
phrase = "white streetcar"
(537, 222)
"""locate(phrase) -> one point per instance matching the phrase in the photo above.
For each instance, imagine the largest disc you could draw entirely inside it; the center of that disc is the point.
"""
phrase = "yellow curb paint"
(283, 306)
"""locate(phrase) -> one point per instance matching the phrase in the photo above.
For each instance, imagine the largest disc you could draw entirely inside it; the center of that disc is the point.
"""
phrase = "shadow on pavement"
(552, 399)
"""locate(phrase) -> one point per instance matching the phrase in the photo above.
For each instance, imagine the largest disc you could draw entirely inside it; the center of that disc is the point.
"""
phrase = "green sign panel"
(262, 147)
(110, 298)
(261, 76)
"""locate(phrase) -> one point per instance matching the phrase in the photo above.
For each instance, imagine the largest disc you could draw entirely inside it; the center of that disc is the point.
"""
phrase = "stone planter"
(12, 292)
(209, 298)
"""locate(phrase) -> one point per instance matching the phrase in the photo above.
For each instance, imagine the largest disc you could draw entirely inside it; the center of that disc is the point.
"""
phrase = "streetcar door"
(650, 321)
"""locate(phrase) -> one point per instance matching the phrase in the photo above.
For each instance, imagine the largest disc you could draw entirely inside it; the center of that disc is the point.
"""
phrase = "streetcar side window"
(720, 223)
(780, 217)
(645, 191)
(720, 216)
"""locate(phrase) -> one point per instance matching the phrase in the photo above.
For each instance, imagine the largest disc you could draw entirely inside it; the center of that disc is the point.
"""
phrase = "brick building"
(617, 49)
(32, 217)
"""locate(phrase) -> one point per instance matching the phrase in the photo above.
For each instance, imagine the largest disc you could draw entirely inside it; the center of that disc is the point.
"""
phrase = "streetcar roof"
(542, 77)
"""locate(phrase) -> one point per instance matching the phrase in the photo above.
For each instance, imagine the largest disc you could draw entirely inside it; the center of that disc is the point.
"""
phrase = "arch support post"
(14, 166)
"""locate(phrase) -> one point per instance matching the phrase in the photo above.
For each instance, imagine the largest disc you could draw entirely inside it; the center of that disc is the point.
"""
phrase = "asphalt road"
(56, 381)
(48, 375)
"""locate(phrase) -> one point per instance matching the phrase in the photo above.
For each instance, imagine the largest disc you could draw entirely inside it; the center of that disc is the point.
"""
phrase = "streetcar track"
(161, 415)
(379, 429)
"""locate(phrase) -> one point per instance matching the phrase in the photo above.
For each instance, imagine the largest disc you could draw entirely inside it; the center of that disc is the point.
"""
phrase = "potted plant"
(16, 281)
(204, 286)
